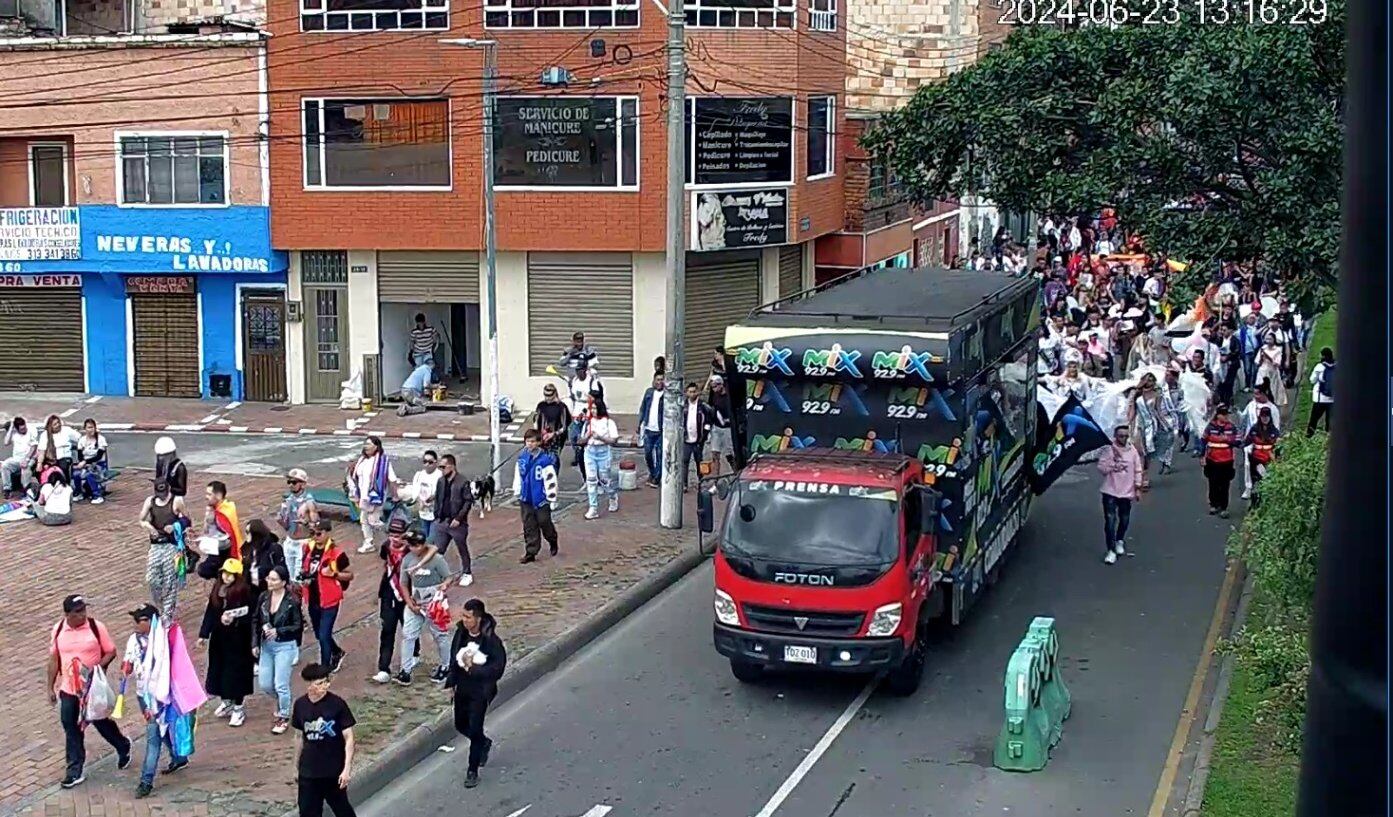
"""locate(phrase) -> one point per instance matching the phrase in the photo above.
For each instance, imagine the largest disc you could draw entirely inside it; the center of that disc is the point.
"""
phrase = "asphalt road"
(649, 721)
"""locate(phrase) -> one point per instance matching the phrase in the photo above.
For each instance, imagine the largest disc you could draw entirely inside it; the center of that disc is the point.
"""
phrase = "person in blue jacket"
(535, 486)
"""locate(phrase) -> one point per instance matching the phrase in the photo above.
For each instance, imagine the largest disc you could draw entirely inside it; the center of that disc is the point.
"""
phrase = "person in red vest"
(1220, 440)
(1261, 447)
(324, 573)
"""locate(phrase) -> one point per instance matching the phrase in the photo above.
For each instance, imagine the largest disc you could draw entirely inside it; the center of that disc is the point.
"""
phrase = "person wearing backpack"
(1322, 390)
(325, 575)
(77, 646)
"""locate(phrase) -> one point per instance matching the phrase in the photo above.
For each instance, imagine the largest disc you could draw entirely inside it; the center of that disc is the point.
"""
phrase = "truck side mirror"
(929, 500)
(706, 514)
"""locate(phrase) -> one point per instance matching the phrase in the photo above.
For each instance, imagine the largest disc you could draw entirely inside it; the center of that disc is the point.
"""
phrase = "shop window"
(561, 13)
(374, 15)
(48, 175)
(186, 170)
(822, 123)
(377, 143)
(563, 141)
(741, 13)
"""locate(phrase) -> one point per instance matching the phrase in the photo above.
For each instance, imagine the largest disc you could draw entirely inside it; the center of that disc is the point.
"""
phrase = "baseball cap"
(324, 525)
(144, 612)
(414, 537)
(297, 475)
(232, 567)
(397, 525)
(73, 603)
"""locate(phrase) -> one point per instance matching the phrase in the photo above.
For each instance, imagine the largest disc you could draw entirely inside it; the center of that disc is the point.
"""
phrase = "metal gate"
(581, 292)
(263, 346)
(41, 333)
(790, 270)
(165, 341)
(427, 277)
(721, 290)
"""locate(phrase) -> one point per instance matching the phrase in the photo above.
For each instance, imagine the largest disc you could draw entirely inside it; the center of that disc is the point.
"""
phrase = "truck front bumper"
(831, 654)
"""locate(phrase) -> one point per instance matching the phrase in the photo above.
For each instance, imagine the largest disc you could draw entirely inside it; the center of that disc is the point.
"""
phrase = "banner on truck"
(1064, 432)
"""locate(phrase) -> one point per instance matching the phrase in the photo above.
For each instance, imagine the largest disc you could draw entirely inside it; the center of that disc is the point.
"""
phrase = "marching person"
(453, 500)
(391, 598)
(156, 739)
(722, 448)
(1260, 448)
(164, 519)
(264, 551)
(78, 644)
(278, 628)
(325, 574)
(581, 390)
(170, 468)
(227, 633)
(421, 492)
(650, 417)
(1219, 438)
(370, 480)
(298, 516)
(1322, 390)
(424, 577)
(478, 659)
(553, 419)
(324, 746)
(696, 424)
(535, 484)
(1121, 467)
(600, 435)
(1247, 419)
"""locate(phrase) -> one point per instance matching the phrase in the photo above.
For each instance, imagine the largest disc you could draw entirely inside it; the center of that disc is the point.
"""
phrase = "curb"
(421, 742)
(196, 428)
(1199, 778)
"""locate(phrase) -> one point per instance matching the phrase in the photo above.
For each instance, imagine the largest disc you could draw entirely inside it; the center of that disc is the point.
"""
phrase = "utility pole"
(670, 511)
(490, 48)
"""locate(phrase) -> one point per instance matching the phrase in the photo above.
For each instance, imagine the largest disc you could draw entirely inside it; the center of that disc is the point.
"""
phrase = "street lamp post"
(490, 48)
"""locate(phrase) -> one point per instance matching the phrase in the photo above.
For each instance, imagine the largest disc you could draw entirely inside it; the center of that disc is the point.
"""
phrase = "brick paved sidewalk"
(186, 415)
(247, 771)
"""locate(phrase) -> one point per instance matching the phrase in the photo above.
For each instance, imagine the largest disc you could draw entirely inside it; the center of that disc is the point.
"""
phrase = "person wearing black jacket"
(696, 426)
(553, 419)
(264, 552)
(453, 500)
(719, 436)
(169, 468)
(479, 659)
(277, 629)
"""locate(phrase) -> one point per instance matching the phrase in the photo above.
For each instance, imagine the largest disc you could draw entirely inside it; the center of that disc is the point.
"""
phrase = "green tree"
(1240, 124)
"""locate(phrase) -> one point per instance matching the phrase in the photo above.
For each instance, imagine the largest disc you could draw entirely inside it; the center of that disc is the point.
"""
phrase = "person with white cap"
(719, 440)
(169, 468)
(298, 515)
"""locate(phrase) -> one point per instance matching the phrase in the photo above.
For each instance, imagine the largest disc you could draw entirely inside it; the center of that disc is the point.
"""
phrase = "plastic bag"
(211, 545)
(100, 701)
(181, 729)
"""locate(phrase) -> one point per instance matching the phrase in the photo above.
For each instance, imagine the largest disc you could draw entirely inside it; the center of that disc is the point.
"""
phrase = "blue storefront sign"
(226, 249)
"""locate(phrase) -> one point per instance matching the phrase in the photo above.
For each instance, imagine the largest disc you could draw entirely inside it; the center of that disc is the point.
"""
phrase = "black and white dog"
(482, 488)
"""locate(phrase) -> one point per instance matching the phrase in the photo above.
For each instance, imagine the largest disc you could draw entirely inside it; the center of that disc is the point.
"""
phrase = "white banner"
(40, 234)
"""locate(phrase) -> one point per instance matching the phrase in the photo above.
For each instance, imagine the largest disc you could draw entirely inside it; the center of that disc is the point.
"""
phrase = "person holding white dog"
(478, 662)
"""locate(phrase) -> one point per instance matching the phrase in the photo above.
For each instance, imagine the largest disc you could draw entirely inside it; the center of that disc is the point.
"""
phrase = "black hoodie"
(480, 680)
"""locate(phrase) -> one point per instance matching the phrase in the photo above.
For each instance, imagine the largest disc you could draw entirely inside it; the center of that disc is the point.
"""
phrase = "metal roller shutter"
(414, 277)
(41, 333)
(720, 291)
(581, 292)
(790, 270)
(166, 345)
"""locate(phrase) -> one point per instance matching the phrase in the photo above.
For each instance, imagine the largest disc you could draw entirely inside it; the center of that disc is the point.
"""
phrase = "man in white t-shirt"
(650, 413)
(21, 440)
(422, 490)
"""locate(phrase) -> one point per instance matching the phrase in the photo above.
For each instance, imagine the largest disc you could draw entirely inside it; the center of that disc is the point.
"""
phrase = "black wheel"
(904, 680)
(745, 672)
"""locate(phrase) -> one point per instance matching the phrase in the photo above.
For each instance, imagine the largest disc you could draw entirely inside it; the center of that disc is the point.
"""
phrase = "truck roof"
(898, 299)
(828, 465)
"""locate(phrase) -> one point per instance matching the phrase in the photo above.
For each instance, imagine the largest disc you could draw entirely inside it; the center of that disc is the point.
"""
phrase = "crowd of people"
(49, 469)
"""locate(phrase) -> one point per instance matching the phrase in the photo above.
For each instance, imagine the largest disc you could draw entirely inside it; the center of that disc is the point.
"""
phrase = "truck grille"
(783, 620)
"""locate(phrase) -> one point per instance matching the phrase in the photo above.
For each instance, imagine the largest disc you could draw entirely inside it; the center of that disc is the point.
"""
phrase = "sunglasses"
(428, 462)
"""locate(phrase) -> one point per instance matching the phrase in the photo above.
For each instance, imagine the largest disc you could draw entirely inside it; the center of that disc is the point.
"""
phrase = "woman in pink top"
(1121, 467)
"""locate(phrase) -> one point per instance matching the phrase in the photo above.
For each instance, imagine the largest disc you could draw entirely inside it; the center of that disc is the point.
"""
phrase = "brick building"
(376, 162)
(135, 254)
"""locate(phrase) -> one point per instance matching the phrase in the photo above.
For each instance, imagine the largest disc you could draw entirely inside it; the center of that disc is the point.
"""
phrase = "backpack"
(1326, 384)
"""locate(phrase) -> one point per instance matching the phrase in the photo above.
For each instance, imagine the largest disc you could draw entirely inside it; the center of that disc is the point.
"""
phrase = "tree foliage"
(1242, 124)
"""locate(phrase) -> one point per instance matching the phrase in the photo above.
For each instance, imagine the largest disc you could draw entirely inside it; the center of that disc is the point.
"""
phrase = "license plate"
(800, 655)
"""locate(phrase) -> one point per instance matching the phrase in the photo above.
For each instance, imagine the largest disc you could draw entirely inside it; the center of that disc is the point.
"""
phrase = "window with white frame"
(741, 13)
(174, 169)
(560, 13)
(822, 136)
(48, 174)
(368, 143)
(567, 141)
(374, 15)
(822, 15)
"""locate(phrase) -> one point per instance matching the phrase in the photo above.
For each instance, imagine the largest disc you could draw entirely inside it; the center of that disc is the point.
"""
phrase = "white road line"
(237, 429)
(444, 436)
(598, 811)
(521, 811)
(183, 427)
(411, 435)
(89, 401)
(272, 430)
(823, 744)
(118, 426)
(342, 432)
(308, 431)
(210, 418)
(70, 412)
(230, 406)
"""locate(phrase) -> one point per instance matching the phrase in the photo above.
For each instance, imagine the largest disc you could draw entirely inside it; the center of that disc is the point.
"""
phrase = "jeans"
(154, 743)
(313, 793)
(599, 460)
(1250, 370)
(412, 625)
(87, 481)
(653, 453)
(427, 525)
(691, 453)
(294, 554)
(70, 714)
(322, 620)
(273, 669)
(1117, 515)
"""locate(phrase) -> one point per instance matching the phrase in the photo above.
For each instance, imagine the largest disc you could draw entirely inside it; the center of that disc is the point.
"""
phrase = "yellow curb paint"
(1192, 698)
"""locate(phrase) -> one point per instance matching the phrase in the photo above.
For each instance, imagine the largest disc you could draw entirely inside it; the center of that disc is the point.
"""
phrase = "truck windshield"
(850, 528)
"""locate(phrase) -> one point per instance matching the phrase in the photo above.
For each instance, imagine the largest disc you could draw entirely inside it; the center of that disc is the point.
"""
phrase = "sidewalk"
(248, 771)
(188, 415)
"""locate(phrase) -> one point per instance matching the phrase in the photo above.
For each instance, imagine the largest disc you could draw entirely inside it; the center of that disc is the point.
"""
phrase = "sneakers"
(1247, 494)
(653, 483)
(439, 676)
(471, 779)
(73, 780)
(527, 558)
(279, 726)
(337, 661)
(239, 716)
(466, 579)
(143, 790)
(593, 513)
(381, 677)
(614, 503)
(98, 501)
(555, 548)
(224, 709)
(1111, 558)
(1120, 549)
(1213, 511)
(366, 547)
(176, 765)
(124, 761)
(1224, 514)
(402, 678)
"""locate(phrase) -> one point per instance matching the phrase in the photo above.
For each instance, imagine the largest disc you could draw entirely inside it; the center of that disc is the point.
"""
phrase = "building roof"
(922, 298)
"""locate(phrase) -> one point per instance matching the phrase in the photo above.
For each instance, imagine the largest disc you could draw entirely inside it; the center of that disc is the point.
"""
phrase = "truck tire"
(745, 672)
(904, 680)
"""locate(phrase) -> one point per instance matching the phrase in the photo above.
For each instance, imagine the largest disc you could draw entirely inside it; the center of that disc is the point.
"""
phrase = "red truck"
(881, 426)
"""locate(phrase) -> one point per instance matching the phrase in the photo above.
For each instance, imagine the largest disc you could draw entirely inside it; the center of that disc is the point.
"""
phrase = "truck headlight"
(725, 609)
(885, 620)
